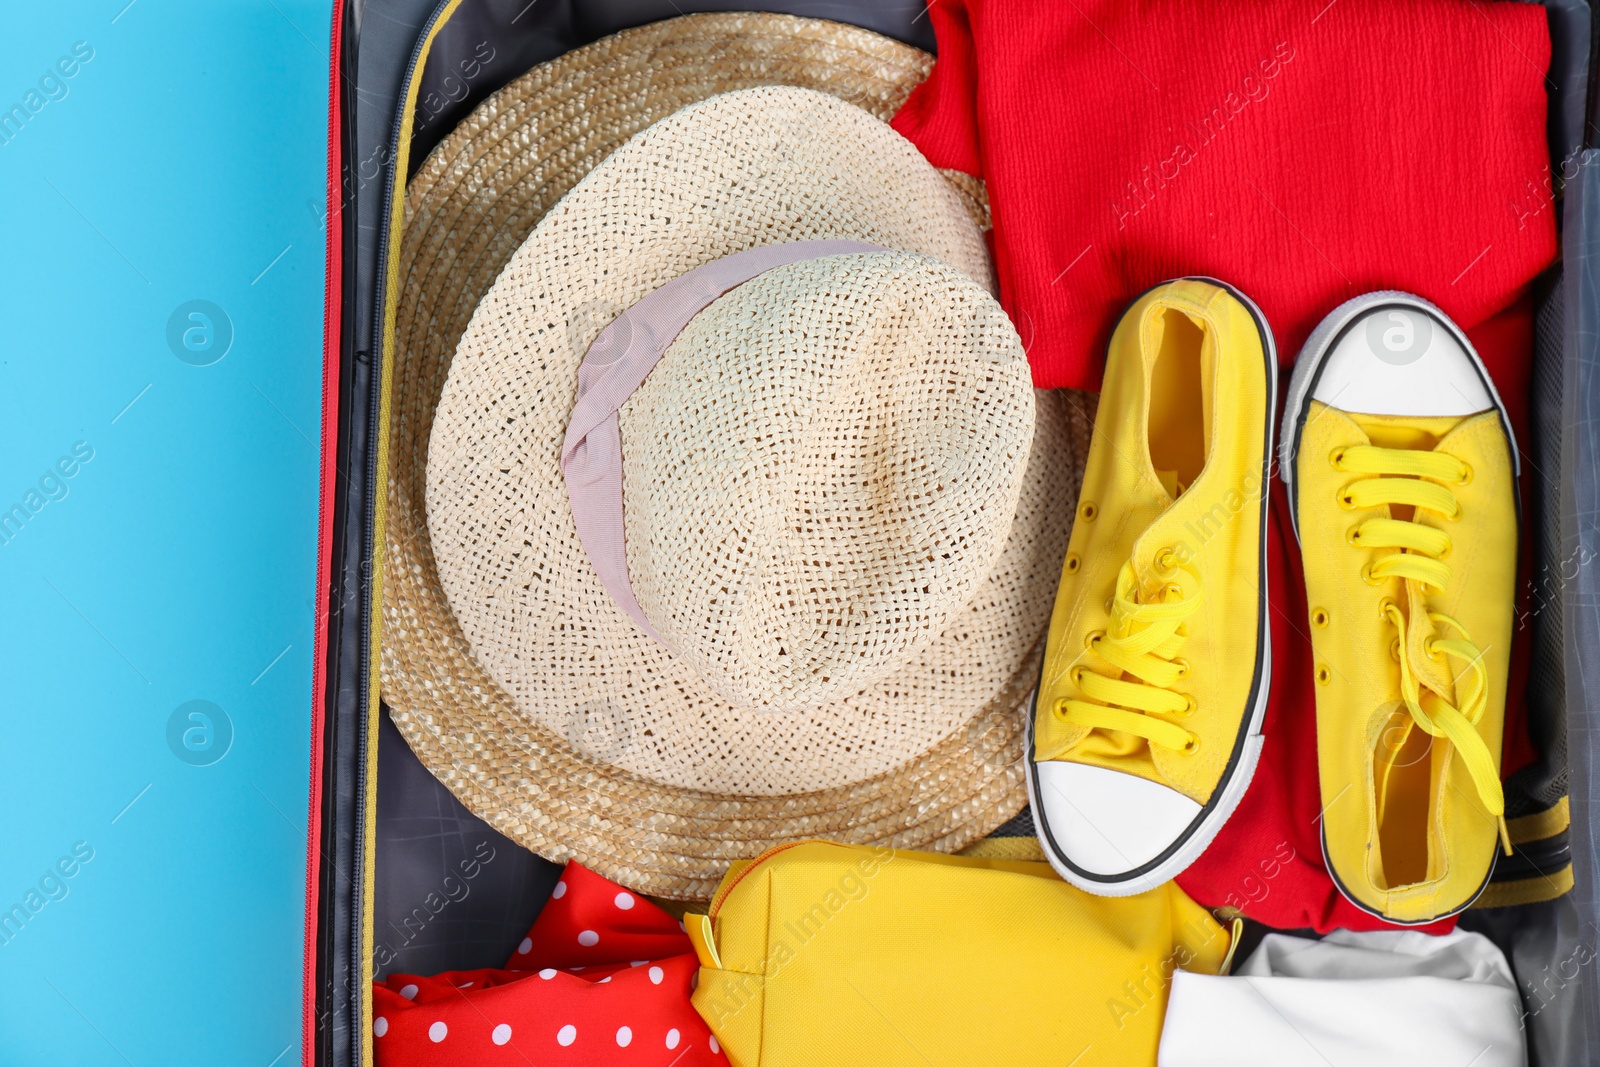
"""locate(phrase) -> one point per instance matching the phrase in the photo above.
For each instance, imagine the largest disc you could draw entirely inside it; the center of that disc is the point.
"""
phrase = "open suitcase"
(400, 877)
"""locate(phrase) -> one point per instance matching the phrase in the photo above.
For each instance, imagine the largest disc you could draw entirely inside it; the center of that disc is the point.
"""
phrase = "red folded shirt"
(603, 978)
(1304, 152)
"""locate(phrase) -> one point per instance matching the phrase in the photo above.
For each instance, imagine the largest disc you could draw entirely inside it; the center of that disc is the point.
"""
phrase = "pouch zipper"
(722, 892)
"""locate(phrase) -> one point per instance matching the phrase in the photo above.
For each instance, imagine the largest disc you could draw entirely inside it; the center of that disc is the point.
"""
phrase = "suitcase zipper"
(363, 841)
(332, 350)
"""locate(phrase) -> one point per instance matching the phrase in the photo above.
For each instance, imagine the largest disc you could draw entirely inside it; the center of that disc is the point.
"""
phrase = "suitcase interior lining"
(438, 889)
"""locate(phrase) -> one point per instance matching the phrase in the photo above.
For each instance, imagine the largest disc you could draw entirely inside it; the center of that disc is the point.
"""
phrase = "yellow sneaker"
(1398, 458)
(1146, 724)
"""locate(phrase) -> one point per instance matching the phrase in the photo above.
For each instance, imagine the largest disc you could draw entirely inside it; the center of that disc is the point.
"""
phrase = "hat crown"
(821, 470)
(731, 173)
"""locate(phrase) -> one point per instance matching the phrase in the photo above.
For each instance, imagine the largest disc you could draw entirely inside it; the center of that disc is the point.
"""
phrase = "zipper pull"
(703, 938)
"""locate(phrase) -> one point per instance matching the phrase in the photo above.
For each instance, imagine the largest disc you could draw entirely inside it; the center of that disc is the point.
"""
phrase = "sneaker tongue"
(1417, 432)
(1169, 482)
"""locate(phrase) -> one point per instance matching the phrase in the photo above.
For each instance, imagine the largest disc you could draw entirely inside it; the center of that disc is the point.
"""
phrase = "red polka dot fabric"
(603, 978)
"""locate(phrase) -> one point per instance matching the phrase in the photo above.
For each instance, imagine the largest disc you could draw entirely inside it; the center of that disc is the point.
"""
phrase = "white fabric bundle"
(1370, 999)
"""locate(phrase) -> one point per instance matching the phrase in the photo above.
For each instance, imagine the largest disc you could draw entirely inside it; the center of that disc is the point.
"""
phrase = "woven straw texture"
(726, 174)
(554, 784)
(819, 472)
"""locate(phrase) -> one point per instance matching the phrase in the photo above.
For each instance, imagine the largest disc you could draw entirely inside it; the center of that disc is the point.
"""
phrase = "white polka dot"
(566, 1035)
(437, 1032)
(526, 946)
(604, 980)
(656, 974)
(624, 1037)
(408, 991)
(500, 1034)
(559, 891)
(380, 1026)
(588, 938)
(624, 901)
(638, 963)
(672, 1039)
(464, 985)
(575, 969)
(548, 973)
(714, 1046)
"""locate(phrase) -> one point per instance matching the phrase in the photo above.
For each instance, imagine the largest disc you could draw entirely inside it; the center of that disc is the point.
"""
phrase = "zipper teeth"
(722, 893)
(375, 361)
(332, 306)
(726, 888)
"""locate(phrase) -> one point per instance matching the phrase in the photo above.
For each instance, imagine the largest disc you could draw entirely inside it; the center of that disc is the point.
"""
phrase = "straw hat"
(855, 684)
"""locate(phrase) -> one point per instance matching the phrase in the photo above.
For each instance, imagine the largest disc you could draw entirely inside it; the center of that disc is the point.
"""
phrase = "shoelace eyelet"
(1425, 505)
(1127, 699)
(1336, 457)
(1073, 562)
(1166, 560)
(1191, 746)
(1182, 665)
(1087, 511)
(1190, 705)
(1319, 617)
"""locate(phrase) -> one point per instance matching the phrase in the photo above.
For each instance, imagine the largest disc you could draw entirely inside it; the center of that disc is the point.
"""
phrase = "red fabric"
(603, 978)
(1305, 152)
(1267, 860)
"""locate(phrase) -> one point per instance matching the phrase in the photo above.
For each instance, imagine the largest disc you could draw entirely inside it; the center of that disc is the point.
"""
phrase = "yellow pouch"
(828, 954)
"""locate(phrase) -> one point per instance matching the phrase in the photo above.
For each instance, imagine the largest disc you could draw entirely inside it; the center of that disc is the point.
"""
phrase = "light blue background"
(186, 161)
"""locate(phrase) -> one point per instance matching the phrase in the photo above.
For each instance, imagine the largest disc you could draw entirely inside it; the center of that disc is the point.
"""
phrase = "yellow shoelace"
(1419, 479)
(1143, 641)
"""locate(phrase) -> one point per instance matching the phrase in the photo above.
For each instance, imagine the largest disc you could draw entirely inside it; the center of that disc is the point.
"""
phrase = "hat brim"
(555, 789)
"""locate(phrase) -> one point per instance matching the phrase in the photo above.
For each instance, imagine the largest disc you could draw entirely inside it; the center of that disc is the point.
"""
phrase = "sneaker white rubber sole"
(1197, 835)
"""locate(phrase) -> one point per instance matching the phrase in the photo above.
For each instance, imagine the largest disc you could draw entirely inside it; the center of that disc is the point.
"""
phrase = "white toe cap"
(1108, 823)
(1399, 355)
